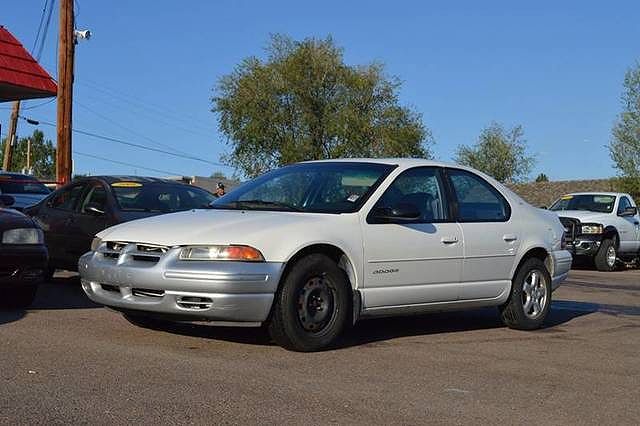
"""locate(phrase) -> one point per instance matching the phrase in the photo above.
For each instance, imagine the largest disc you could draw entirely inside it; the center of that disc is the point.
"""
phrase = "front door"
(491, 236)
(417, 261)
(628, 227)
(90, 218)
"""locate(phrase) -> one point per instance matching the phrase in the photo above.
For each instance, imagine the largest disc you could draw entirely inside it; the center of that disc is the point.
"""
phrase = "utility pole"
(66, 45)
(11, 137)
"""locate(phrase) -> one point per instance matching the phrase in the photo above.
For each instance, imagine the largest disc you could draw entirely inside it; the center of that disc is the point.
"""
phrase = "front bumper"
(224, 291)
(561, 260)
(584, 245)
(22, 264)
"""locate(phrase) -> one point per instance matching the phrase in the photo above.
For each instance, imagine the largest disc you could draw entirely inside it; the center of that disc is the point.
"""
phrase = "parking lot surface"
(66, 360)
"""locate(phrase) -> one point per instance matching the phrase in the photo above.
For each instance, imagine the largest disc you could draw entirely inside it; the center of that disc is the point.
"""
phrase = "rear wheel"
(530, 298)
(312, 306)
(605, 259)
(19, 297)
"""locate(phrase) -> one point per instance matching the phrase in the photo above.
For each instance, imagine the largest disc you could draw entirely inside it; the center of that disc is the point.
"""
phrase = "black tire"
(48, 274)
(602, 258)
(519, 312)
(19, 297)
(312, 306)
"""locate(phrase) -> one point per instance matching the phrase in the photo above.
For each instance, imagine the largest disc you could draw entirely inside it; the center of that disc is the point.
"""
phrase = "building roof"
(21, 77)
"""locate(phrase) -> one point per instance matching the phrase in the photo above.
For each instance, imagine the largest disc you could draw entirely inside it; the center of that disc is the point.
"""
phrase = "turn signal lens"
(239, 253)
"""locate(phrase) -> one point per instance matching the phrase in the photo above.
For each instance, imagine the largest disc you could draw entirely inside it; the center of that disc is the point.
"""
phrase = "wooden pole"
(65, 92)
(11, 137)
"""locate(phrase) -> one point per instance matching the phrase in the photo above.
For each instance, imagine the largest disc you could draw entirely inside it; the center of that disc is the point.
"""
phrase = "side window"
(624, 203)
(478, 201)
(96, 196)
(67, 198)
(421, 187)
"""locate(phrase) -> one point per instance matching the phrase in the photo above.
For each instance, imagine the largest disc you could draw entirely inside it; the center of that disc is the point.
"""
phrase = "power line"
(45, 30)
(114, 122)
(123, 142)
(84, 154)
(35, 41)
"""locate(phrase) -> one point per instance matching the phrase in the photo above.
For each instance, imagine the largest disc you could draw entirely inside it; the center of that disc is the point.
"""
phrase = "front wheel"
(605, 259)
(530, 298)
(312, 306)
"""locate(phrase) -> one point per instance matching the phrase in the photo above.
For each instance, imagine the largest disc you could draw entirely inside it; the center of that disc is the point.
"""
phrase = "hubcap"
(534, 294)
(315, 304)
(611, 256)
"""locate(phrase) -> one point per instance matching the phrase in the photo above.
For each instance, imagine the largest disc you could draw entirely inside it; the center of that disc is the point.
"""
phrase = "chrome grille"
(122, 251)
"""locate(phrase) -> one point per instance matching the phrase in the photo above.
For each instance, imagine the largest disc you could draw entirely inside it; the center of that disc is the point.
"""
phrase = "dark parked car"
(72, 215)
(23, 256)
(25, 190)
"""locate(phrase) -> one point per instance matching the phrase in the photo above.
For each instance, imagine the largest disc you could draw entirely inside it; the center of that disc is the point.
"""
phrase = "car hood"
(11, 219)
(583, 215)
(212, 226)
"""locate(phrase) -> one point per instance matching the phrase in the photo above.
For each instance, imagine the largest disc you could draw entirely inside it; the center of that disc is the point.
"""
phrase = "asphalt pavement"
(66, 360)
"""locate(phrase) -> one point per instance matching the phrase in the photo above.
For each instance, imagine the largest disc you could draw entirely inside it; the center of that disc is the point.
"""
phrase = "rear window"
(589, 202)
(21, 185)
(159, 197)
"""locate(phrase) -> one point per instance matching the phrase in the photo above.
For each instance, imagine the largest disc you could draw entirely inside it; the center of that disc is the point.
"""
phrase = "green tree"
(304, 103)
(542, 178)
(499, 152)
(624, 147)
(43, 155)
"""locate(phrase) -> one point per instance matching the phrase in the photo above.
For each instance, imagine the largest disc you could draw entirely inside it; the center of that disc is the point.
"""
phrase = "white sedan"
(310, 248)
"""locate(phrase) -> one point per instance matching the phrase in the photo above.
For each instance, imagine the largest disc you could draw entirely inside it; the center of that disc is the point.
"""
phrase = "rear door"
(491, 235)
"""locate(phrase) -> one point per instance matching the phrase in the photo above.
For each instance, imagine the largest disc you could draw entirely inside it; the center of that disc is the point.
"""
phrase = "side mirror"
(401, 213)
(6, 200)
(629, 211)
(94, 209)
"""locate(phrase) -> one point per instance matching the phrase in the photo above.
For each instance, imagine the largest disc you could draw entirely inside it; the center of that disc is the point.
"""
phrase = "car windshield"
(589, 202)
(160, 197)
(13, 184)
(322, 187)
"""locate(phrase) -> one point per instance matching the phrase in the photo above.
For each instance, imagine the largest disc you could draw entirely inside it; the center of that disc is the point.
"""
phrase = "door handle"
(449, 240)
(509, 237)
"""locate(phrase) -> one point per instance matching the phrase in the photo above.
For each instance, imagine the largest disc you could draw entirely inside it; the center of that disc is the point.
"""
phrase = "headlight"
(23, 236)
(591, 229)
(242, 253)
(95, 243)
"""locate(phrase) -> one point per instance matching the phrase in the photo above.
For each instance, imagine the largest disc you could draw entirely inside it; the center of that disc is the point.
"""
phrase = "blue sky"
(148, 72)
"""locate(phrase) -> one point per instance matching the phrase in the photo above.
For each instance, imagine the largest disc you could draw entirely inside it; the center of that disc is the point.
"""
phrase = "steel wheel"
(611, 256)
(316, 304)
(534, 294)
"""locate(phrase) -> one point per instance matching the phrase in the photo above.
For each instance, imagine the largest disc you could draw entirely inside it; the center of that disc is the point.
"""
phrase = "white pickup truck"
(604, 226)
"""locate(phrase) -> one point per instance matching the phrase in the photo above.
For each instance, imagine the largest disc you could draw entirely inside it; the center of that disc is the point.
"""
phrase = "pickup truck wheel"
(19, 297)
(530, 298)
(312, 306)
(605, 259)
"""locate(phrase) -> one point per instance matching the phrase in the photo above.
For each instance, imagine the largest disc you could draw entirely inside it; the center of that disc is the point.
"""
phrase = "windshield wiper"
(257, 203)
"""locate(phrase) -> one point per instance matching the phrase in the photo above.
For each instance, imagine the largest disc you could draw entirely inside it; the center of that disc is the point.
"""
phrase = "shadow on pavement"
(382, 329)
(60, 293)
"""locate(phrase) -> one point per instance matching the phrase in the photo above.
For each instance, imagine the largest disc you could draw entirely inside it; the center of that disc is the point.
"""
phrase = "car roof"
(17, 175)
(403, 162)
(597, 193)
(109, 179)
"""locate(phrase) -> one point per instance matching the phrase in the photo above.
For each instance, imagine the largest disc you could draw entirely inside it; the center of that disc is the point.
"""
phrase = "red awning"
(21, 77)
